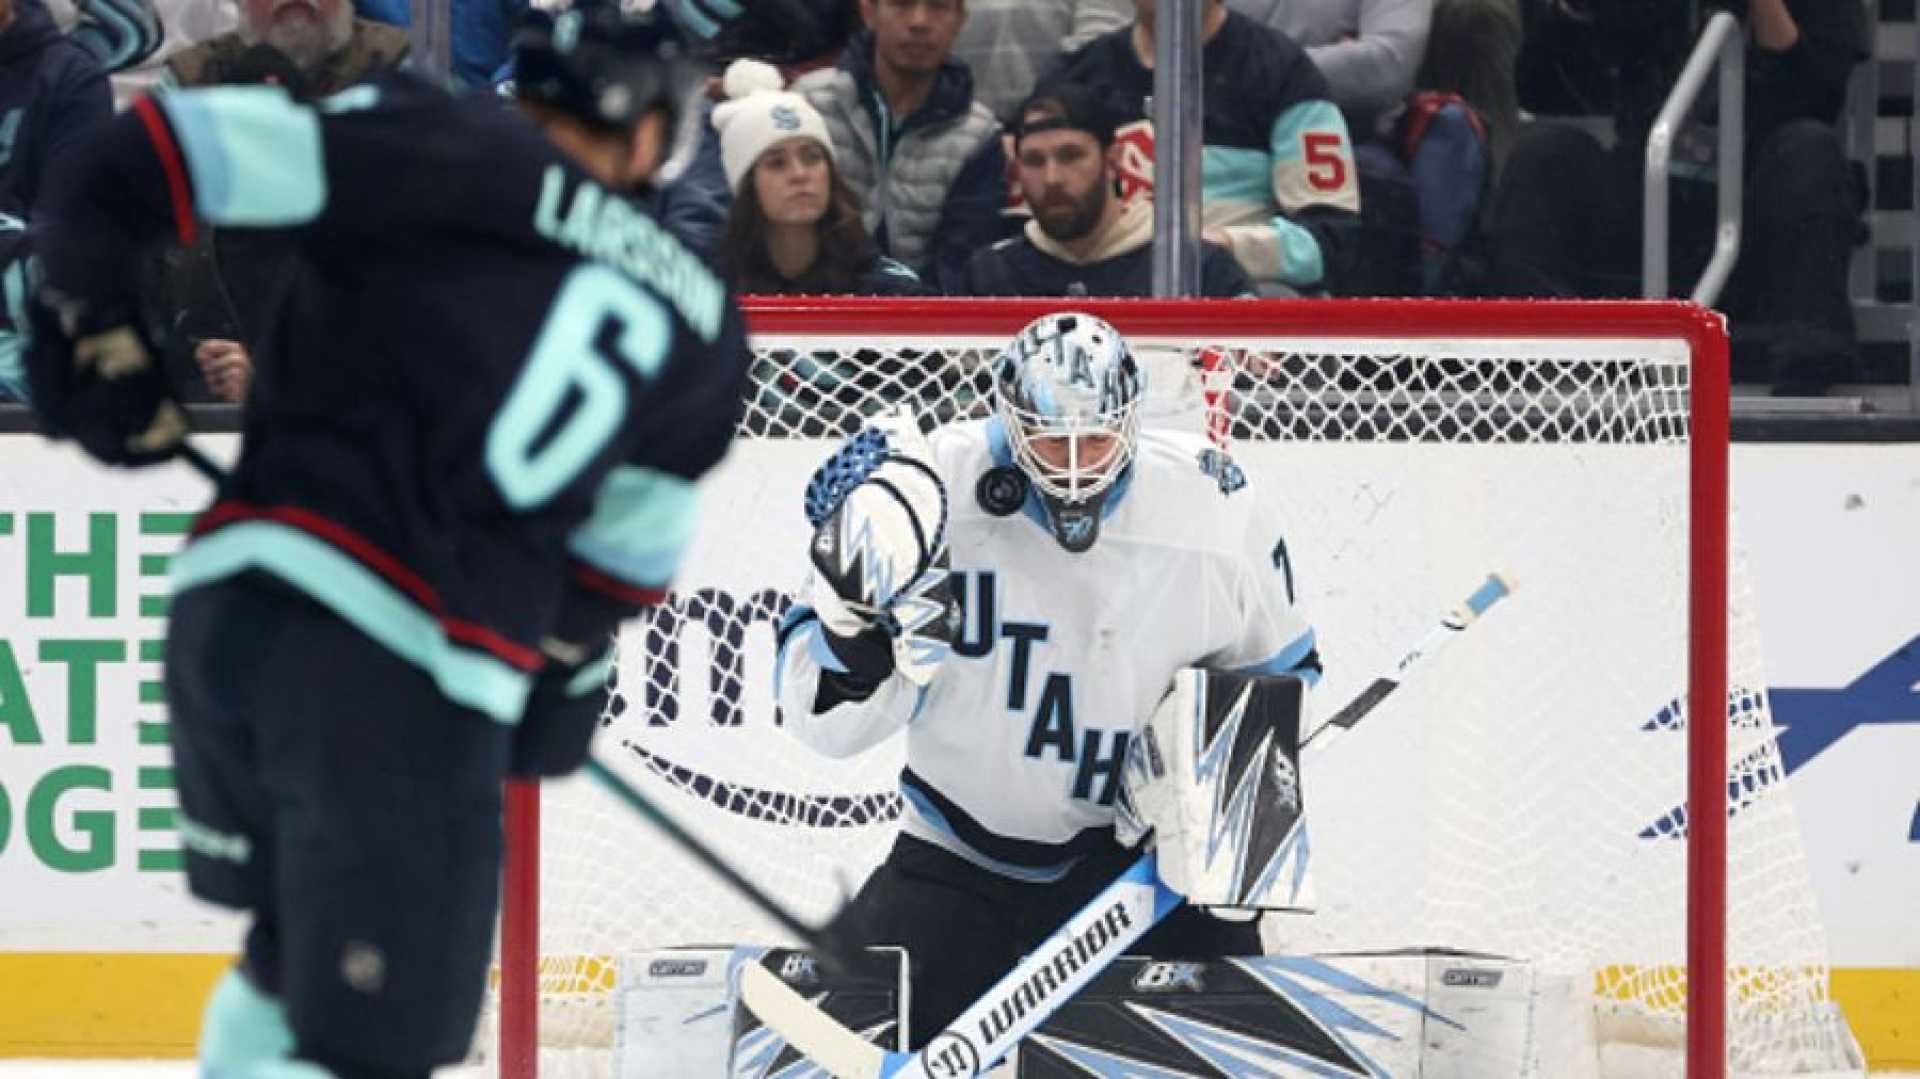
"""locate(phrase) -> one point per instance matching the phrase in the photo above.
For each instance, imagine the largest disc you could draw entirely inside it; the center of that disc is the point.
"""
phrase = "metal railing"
(1178, 93)
(1723, 42)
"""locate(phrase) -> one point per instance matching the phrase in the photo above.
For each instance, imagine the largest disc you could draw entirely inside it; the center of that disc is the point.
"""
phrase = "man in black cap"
(1083, 239)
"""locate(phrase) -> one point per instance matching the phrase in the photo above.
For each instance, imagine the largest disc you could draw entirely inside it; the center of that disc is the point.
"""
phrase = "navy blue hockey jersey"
(1277, 169)
(488, 400)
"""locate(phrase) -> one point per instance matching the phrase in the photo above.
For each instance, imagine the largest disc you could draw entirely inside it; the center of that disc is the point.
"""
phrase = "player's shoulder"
(469, 152)
(1191, 465)
(1193, 489)
(962, 450)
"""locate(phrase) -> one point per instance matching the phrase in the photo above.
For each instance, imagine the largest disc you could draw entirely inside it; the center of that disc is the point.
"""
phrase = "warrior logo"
(1068, 959)
(951, 1056)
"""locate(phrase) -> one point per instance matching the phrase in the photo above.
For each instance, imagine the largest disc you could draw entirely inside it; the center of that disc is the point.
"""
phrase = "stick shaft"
(1495, 588)
(813, 938)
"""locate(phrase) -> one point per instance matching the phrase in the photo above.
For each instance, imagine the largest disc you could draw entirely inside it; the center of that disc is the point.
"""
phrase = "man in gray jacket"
(923, 155)
(1369, 50)
(1008, 43)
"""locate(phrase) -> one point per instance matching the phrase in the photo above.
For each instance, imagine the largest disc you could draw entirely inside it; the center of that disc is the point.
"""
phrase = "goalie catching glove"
(879, 553)
(1215, 778)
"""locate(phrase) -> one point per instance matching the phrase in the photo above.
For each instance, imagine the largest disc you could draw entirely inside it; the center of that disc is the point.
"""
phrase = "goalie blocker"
(1215, 779)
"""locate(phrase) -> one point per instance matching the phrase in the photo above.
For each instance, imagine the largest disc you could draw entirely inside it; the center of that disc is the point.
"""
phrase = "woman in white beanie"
(795, 224)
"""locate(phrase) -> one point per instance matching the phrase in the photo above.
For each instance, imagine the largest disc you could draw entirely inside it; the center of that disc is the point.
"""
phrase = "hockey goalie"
(1086, 632)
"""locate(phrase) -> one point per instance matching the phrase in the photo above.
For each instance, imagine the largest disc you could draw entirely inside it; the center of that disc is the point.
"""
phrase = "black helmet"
(601, 64)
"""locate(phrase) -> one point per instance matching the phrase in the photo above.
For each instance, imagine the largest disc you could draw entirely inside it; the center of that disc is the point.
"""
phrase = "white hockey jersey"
(1014, 750)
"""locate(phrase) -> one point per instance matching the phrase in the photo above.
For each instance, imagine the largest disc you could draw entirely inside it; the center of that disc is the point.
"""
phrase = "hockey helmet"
(608, 64)
(1067, 390)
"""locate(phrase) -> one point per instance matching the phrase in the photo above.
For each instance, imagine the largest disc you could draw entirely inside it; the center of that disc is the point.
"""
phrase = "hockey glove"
(569, 696)
(879, 553)
(93, 377)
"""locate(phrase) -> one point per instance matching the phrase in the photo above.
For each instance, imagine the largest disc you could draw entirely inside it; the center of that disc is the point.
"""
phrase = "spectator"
(331, 49)
(481, 31)
(1445, 150)
(1369, 50)
(181, 25)
(1566, 219)
(222, 295)
(1008, 43)
(795, 224)
(17, 283)
(690, 197)
(922, 154)
(1083, 239)
(1280, 188)
(797, 36)
(121, 34)
(1473, 50)
(52, 93)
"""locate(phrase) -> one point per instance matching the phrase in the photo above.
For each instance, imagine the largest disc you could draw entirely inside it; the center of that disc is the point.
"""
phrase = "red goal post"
(1700, 332)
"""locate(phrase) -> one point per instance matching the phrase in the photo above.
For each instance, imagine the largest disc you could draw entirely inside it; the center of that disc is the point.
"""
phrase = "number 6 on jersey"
(598, 317)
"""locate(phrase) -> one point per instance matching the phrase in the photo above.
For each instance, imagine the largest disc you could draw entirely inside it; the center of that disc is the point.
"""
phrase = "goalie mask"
(1068, 392)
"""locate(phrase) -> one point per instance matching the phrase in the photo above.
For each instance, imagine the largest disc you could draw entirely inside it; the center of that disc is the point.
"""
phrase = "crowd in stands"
(1006, 147)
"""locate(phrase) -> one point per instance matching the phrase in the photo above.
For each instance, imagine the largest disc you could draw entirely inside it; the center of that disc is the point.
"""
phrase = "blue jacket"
(52, 93)
(694, 205)
(482, 32)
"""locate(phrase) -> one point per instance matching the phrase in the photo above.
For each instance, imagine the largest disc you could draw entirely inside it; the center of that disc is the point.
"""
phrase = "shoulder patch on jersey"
(1222, 468)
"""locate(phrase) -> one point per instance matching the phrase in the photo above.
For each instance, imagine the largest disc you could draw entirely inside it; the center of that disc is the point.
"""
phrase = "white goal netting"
(1523, 793)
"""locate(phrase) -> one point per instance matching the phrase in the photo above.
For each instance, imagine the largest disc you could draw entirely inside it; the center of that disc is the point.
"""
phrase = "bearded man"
(329, 47)
(1083, 240)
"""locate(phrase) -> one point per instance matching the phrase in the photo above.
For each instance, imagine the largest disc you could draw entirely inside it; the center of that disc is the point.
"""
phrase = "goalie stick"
(1066, 961)
(1491, 591)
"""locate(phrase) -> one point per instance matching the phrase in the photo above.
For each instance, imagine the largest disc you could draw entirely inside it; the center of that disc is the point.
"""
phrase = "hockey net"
(1525, 796)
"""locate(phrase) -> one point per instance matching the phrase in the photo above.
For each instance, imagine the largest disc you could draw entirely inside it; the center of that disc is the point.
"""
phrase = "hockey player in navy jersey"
(1086, 561)
(473, 454)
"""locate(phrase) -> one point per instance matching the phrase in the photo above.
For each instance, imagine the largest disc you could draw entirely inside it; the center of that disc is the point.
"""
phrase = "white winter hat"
(759, 113)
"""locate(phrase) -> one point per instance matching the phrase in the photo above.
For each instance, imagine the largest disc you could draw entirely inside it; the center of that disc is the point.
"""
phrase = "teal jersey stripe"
(592, 675)
(1313, 117)
(641, 526)
(358, 595)
(1236, 178)
(1301, 260)
(1237, 175)
(254, 155)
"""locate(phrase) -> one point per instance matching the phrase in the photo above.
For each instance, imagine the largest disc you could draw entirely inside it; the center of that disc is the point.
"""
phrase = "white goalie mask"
(1068, 391)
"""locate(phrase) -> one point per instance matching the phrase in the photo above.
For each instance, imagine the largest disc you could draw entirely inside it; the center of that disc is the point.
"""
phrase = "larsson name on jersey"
(612, 230)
